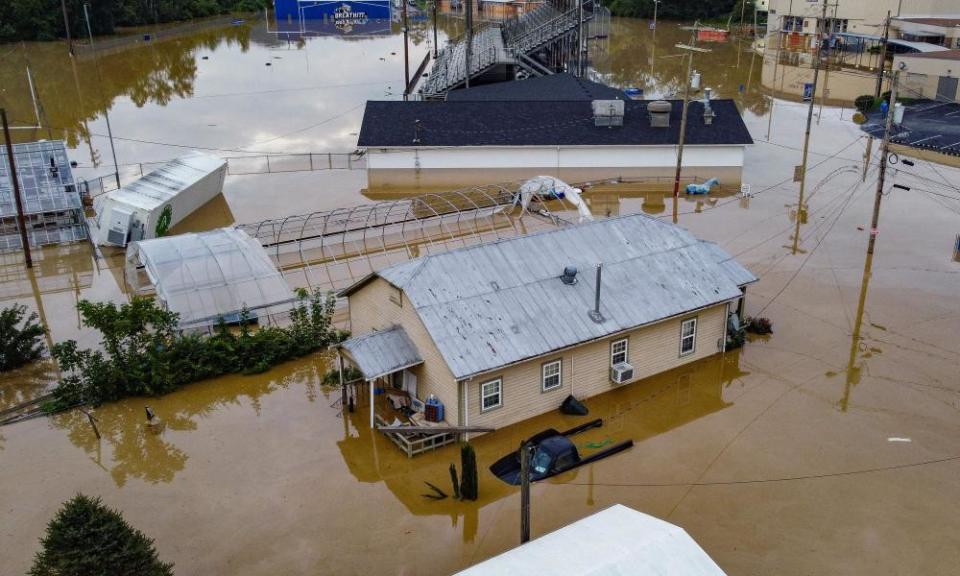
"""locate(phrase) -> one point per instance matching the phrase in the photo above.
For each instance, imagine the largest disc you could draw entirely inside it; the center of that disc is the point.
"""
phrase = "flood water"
(786, 457)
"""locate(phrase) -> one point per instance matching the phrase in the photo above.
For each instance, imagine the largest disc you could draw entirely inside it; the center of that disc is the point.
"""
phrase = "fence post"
(329, 161)
(141, 169)
(311, 161)
(268, 164)
(349, 161)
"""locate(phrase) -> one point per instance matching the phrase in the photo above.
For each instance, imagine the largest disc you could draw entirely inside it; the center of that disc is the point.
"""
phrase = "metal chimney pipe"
(596, 298)
(595, 313)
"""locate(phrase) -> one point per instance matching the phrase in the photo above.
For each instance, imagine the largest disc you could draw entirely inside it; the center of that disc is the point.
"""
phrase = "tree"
(469, 483)
(86, 537)
(19, 344)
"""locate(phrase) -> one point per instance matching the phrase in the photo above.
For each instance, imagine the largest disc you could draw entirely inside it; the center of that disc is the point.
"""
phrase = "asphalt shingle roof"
(556, 87)
(389, 124)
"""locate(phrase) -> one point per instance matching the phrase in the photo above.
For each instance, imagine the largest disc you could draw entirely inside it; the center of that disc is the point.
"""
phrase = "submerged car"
(552, 453)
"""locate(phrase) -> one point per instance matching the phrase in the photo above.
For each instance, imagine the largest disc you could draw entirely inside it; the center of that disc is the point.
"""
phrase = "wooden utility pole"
(881, 67)
(406, 53)
(15, 182)
(524, 492)
(683, 116)
(66, 26)
(884, 150)
(806, 135)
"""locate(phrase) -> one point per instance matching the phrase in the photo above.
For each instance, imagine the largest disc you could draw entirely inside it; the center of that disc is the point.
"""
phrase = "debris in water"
(896, 439)
(438, 493)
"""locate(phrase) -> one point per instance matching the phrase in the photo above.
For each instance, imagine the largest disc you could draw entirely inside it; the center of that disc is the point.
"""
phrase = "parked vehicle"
(552, 453)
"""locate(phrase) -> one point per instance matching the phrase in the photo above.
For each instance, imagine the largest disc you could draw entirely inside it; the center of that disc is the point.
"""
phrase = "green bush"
(865, 103)
(144, 354)
(20, 340)
(86, 537)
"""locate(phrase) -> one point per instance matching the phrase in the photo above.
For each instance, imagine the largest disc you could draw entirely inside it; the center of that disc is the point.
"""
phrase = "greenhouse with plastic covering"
(209, 275)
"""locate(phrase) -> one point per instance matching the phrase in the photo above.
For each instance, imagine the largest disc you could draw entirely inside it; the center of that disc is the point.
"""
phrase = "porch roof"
(380, 353)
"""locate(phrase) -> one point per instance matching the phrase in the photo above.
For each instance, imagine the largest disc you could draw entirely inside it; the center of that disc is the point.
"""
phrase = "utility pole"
(884, 150)
(656, 3)
(743, 7)
(435, 47)
(469, 48)
(66, 26)
(580, 44)
(806, 135)
(524, 492)
(683, 116)
(406, 53)
(15, 181)
(106, 112)
(881, 67)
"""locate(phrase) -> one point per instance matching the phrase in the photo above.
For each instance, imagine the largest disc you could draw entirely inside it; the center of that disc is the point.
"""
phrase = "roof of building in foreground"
(612, 542)
(555, 87)
(392, 124)
(495, 304)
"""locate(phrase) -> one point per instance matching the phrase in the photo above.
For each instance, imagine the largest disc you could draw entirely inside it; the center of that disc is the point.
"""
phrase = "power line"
(763, 480)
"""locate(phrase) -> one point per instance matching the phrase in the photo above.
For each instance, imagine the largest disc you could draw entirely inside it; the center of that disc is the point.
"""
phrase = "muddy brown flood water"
(778, 458)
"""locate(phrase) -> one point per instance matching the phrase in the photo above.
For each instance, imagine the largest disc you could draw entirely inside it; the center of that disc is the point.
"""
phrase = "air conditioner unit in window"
(621, 373)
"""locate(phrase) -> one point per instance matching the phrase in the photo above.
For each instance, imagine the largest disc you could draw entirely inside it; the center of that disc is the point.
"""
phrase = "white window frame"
(692, 336)
(498, 394)
(614, 353)
(558, 375)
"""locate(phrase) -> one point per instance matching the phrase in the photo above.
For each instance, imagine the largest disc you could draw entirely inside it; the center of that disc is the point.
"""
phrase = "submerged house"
(571, 129)
(504, 331)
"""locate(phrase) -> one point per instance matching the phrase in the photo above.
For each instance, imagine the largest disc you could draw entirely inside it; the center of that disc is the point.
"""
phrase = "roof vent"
(659, 113)
(569, 276)
(607, 112)
(708, 113)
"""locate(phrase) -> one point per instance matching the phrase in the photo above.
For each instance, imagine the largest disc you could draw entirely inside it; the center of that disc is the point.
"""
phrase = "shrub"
(19, 344)
(86, 537)
(865, 103)
(759, 326)
(145, 354)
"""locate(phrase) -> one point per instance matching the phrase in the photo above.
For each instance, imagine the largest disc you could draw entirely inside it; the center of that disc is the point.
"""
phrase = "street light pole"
(106, 112)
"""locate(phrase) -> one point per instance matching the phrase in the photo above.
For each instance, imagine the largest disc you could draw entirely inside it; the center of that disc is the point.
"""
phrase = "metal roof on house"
(555, 87)
(159, 186)
(613, 542)
(495, 304)
(380, 353)
(391, 124)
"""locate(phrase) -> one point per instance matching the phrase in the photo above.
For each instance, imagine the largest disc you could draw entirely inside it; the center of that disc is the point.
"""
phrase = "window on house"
(551, 375)
(619, 351)
(491, 395)
(688, 336)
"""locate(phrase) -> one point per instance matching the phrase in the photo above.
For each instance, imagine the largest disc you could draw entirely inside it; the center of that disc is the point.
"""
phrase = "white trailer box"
(149, 207)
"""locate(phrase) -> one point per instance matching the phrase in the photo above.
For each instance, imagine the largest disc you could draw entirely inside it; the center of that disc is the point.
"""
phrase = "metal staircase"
(514, 43)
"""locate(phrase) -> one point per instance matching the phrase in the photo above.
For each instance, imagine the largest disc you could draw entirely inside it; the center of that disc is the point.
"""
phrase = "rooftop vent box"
(607, 112)
(659, 114)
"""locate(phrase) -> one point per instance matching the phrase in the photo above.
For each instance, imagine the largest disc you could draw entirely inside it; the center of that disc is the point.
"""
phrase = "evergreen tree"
(86, 538)
(469, 483)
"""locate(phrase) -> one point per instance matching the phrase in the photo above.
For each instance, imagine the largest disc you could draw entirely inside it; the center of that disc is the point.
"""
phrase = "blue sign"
(350, 13)
(808, 91)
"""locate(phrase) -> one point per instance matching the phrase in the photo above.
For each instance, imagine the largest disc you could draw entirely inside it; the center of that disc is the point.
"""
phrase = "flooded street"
(829, 447)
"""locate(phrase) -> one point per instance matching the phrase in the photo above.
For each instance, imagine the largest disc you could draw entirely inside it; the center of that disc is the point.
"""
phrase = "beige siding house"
(504, 331)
